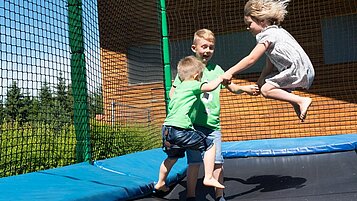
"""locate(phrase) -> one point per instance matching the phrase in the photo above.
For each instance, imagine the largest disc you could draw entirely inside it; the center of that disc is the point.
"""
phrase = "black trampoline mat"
(316, 177)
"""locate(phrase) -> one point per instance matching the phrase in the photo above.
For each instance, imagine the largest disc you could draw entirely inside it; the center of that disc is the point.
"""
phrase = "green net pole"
(165, 53)
(79, 82)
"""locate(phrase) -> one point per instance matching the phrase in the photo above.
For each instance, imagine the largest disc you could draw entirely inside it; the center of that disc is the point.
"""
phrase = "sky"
(35, 44)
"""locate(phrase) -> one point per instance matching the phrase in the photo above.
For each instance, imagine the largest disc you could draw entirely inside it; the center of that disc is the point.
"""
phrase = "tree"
(70, 101)
(96, 102)
(46, 104)
(64, 96)
(45, 94)
(17, 105)
(25, 104)
(2, 112)
(62, 113)
(13, 103)
(34, 110)
(61, 93)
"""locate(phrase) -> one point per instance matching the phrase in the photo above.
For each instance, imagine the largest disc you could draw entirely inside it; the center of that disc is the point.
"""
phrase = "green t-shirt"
(209, 106)
(184, 105)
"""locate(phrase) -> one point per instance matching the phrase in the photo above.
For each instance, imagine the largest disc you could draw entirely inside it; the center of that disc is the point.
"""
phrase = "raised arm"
(212, 85)
(249, 60)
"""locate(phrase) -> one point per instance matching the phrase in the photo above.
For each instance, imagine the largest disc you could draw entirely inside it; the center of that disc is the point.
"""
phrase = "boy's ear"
(196, 76)
(193, 48)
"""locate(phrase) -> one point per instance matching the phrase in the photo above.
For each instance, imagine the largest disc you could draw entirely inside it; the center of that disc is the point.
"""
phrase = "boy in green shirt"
(178, 133)
(208, 120)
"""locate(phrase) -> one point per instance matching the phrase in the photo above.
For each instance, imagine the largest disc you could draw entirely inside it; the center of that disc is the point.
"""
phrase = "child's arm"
(172, 90)
(212, 85)
(238, 89)
(247, 61)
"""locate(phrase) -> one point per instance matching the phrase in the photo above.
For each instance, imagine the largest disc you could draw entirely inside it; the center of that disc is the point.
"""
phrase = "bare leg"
(270, 91)
(218, 174)
(192, 176)
(165, 168)
(208, 161)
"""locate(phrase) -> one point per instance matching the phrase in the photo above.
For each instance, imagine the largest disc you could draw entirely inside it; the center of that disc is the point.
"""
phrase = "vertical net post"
(79, 83)
(165, 53)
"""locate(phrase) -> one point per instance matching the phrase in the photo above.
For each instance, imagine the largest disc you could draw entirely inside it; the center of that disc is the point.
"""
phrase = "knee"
(264, 90)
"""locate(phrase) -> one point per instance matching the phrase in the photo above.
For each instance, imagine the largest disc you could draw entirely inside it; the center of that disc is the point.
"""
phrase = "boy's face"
(203, 49)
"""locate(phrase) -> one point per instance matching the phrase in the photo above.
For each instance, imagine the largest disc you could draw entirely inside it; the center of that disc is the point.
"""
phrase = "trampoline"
(285, 169)
(309, 169)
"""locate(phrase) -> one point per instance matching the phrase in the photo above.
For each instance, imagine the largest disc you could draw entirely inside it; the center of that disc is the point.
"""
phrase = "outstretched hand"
(226, 79)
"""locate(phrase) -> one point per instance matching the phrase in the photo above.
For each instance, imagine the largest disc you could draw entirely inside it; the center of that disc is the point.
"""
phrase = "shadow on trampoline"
(268, 183)
(201, 195)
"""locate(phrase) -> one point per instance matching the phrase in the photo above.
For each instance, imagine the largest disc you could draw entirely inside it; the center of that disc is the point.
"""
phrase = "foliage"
(2, 112)
(38, 133)
(31, 147)
(96, 102)
(17, 105)
(109, 141)
(37, 146)
(55, 107)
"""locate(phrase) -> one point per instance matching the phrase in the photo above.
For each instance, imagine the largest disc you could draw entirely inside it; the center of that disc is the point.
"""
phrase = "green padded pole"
(166, 54)
(79, 81)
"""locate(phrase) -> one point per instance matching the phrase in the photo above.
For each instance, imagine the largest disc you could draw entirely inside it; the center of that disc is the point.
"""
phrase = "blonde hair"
(188, 67)
(205, 34)
(271, 10)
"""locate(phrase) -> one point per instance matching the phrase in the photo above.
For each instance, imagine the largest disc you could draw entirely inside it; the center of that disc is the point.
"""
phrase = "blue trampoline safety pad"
(132, 176)
(290, 146)
(121, 178)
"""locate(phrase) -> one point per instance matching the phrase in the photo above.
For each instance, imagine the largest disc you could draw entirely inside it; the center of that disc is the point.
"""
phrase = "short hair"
(272, 10)
(205, 34)
(188, 67)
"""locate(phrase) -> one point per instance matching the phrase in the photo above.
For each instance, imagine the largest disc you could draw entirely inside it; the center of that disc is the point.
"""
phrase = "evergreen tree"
(45, 94)
(46, 104)
(17, 105)
(62, 116)
(61, 93)
(34, 110)
(96, 102)
(70, 101)
(13, 103)
(2, 113)
(25, 104)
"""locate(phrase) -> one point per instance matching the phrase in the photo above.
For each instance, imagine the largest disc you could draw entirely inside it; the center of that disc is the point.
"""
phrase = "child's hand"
(226, 78)
(252, 90)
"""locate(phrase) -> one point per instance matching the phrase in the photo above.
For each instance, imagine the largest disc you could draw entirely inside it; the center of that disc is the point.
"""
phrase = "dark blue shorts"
(175, 141)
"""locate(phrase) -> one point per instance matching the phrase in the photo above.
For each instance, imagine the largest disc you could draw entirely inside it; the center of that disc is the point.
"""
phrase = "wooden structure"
(334, 91)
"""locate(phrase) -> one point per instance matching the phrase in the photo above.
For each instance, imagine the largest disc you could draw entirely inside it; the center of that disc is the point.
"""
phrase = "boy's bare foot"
(212, 182)
(304, 106)
(160, 190)
(161, 187)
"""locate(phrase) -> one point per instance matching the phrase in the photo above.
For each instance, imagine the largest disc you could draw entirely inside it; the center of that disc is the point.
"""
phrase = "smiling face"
(253, 25)
(203, 49)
